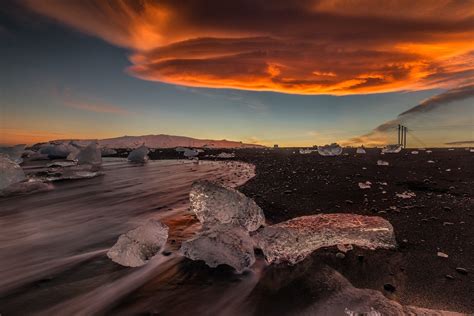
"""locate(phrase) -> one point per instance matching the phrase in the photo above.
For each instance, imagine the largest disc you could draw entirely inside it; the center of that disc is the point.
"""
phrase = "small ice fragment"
(442, 254)
(181, 149)
(382, 163)
(61, 164)
(106, 151)
(226, 155)
(216, 204)
(360, 150)
(406, 195)
(305, 151)
(448, 170)
(450, 149)
(222, 244)
(392, 149)
(139, 245)
(330, 150)
(414, 152)
(365, 185)
(26, 187)
(431, 161)
(10, 172)
(191, 153)
(90, 155)
(293, 240)
(139, 155)
(429, 151)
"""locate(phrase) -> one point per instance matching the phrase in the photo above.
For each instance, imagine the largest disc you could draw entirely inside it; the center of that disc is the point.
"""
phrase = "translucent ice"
(330, 150)
(136, 247)
(305, 151)
(56, 150)
(191, 153)
(360, 150)
(392, 149)
(294, 240)
(26, 187)
(13, 153)
(10, 172)
(90, 155)
(105, 151)
(382, 163)
(223, 244)
(139, 155)
(215, 204)
(365, 185)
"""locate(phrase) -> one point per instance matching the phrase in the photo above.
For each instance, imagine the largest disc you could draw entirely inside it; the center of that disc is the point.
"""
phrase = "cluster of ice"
(360, 150)
(216, 204)
(382, 163)
(293, 240)
(139, 245)
(91, 155)
(392, 149)
(330, 150)
(227, 217)
(222, 244)
(10, 172)
(139, 155)
(13, 153)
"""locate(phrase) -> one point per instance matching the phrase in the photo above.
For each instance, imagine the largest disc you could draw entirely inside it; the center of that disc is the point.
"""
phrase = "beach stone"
(293, 240)
(224, 244)
(138, 246)
(215, 204)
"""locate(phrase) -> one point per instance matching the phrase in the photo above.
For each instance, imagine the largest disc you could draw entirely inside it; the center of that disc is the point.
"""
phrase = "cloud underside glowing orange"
(308, 47)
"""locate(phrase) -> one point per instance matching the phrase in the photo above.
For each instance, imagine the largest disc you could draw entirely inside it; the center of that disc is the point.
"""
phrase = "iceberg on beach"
(139, 155)
(191, 153)
(215, 204)
(13, 153)
(392, 149)
(10, 172)
(55, 151)
(91, 155)
(293, 240)
(330, 150)
(223, 244)
(360, 150)
(139, 245)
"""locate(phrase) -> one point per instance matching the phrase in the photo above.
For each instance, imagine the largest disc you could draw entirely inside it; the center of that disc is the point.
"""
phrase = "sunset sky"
(295, 73)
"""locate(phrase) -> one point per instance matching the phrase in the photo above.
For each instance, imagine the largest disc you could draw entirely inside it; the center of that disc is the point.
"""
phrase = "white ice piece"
(330, 150)
(414, 152)
(10, 172)
(181, 149)
(406, 195)
(216, 204)
(293, 240)
(226, 155)
(382, 163)
(91, 155)
(360, 150)
(139, 155)
(392, 149)
(13, 153)
(305, 151)
(139, 245)
(365, 185)
(223, 244)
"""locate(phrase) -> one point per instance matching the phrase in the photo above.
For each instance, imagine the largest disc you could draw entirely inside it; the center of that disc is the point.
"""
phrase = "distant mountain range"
(166, 141)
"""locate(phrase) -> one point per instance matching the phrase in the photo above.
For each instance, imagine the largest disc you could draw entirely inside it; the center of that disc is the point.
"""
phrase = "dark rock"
(389, 287)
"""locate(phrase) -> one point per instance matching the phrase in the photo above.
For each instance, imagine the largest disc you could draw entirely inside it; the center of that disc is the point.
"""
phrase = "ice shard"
(392, 149)
(10, 172)
(293, 240)
(139, 155)
(360, 150)
(139, 245)
(216, 204)
(223, 244)
(330, 150)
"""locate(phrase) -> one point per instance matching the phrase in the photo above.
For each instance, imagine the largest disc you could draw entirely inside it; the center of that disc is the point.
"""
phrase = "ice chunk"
(10, 172)
(181, 149)
(406, 195)
(215, 204)
(13, 153)
(392, 149)
(330, 150)
(365, 185)
(414, 152)
(105, 151)
(139, 155)
(223, 244)
(305, 151)
(139, 245)
(26, 187)
(61, 164)
(360, 150)
(56, 151)
(431, 161)
(294, 240)
(73, 173)
(90, 155)
(191, 153)
(382, 163)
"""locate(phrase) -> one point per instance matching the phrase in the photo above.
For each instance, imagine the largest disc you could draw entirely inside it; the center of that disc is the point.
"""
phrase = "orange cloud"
(304, 47)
